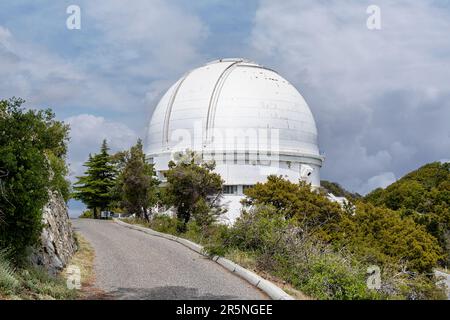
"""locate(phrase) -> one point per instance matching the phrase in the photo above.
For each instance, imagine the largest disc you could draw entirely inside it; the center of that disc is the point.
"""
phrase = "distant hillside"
(419, 190)
(338, 190)
(425, 195)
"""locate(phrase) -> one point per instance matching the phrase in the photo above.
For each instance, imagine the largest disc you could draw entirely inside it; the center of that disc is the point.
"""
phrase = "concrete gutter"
(264, 285)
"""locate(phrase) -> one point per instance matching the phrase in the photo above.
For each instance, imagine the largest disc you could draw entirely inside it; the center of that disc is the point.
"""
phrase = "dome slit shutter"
(215, 98)
(166, 124)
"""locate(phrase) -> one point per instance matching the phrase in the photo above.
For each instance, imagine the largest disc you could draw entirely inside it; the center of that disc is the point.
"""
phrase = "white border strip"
(264, 285)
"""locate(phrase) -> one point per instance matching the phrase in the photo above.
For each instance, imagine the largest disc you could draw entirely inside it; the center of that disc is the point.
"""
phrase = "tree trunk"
(146, 215)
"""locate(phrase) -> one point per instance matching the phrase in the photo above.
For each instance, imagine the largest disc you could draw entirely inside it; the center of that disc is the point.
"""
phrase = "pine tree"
(94, 188)
(193, 189)
(137, 183)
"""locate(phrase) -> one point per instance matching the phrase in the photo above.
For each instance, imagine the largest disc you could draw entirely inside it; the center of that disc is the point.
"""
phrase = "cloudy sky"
(381, 98)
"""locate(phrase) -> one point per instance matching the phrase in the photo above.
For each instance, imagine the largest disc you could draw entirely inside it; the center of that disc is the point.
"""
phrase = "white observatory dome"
(237, 110)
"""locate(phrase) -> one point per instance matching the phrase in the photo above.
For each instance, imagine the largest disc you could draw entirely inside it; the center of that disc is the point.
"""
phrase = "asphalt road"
(130, 264)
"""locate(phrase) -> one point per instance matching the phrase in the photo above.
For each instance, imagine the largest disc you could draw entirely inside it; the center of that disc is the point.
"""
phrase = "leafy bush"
(298, 203)
(33, 146)
(193, 189)
(40, 285)
(162, 223)
(58, 175)
(283, 249)
(299, 236)
(330, 276)
(258, 229)
(327, 271)
(30, 282)
(424, 195)
(8, 281)
(87, 214)
(166, 224)
(382, 236)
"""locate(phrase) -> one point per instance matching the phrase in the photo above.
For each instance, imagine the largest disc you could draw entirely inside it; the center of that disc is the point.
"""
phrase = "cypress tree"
(94, 188)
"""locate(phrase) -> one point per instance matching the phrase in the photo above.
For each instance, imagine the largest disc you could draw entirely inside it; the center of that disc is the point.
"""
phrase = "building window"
(230, 189)
(245, 187)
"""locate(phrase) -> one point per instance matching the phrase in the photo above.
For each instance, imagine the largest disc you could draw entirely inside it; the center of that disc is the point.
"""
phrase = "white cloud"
(42, 78)
(148, 36)
(379, 181)
(5, 34)
(380, 98)
(86, 135)
(121, 50)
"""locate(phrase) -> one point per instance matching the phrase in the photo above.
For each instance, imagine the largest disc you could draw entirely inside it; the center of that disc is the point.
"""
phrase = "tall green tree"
(94, 189)
(193, 189)
(33, 148)
(136, 185)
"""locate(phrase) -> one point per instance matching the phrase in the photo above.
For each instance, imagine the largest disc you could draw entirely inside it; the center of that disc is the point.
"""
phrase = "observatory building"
(246, 117)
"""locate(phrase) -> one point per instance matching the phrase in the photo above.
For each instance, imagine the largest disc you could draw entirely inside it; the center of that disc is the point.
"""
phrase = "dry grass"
(84, 259)
(34, 283)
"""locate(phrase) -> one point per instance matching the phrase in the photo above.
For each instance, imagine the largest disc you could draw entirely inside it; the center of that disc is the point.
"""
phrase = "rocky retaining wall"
(57, 244)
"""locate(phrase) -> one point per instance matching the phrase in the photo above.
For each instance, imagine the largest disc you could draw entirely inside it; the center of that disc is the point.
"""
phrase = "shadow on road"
(164, 293)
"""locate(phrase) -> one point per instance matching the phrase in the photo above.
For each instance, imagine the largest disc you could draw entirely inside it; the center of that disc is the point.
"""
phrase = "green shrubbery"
(310, 211)
(331, 276)
(30, 282)
(8, 281)
(382, 236)
(193, 189)
(282, 249)
(299, 236)
(423, 195)
(164, 223)
(87, 214)
(33, 147)
(320, 269)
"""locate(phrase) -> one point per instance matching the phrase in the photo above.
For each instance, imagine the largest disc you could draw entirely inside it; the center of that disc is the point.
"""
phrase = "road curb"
(273, 291)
